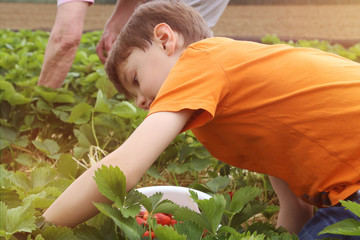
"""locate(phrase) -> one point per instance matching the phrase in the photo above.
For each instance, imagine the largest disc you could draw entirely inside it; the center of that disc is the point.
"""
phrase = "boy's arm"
(294, 212)
(134, 157)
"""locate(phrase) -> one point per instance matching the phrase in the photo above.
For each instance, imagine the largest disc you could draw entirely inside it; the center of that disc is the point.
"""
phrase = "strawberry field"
(49, 137)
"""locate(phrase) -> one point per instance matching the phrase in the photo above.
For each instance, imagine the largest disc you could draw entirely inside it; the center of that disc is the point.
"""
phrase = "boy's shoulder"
(213, 41)
(224, 45)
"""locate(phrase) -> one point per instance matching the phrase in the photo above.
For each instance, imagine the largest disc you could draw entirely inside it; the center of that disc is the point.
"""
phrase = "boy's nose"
(141, 102)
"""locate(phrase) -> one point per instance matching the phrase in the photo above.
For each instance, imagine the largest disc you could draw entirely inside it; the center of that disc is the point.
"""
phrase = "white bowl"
(179, 195)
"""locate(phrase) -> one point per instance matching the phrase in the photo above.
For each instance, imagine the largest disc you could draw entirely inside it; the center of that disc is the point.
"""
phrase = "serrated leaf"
(80, 113)
(86, 232)
(155, 199)
(26, 160)
(58, 233)
(189, 229)
(212, 209)
(19, 219)
(153, 172)
(111, 183)
(129, 226)
(21, 180)
(10, 197)
(226, 229)
(354, 207)
(185, 214)
(125, 109)
(242, 197)
(8, 134)
(67, 166)
(167, 233)
(218, 183)
(348, 227)
(48, 146)
(10, 95)
(166, 206)
(42, 176)
(101, 104)
(247, 212)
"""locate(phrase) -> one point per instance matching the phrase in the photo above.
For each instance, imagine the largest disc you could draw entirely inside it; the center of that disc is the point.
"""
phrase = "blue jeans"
(328, 216)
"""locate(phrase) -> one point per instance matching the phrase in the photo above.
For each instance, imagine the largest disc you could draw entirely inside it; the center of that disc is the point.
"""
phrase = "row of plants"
(50, 137)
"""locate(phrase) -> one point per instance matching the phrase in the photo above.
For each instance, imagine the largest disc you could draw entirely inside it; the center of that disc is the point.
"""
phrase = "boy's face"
(145, 71)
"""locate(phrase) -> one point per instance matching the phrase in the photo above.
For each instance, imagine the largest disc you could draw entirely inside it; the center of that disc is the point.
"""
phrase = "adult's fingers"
(100, 50)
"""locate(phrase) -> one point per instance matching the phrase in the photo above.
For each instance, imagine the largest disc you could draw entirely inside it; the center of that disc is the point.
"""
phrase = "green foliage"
(49, 137)
(348, 227)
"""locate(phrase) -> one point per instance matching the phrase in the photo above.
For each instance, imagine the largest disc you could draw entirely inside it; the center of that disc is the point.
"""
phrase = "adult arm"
(63, 42)
(294, 212)
(119, 17)
(133, 157)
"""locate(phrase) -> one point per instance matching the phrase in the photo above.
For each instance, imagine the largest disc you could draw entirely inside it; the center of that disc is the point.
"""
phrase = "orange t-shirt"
(288, 112)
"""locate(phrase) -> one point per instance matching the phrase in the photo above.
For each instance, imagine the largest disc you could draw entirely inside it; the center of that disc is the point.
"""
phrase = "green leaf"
(26, 160)
(49, 147)
(166, 206)
(153, 172)
(189, 229)
(10, 197)
(125, 109)
(129, 226)
(167, 233)
(351, 206)
(20, 179)
(8, 93)
(212, 209)
(218, 183)
(7, 136)
(85, 232)
(58, 233)
(54, 96)
(111, 183)
(20, 219)
(242, 197)
(80, 113)
(42, 176)
(348, 227)
(101, 104)
(67, 166)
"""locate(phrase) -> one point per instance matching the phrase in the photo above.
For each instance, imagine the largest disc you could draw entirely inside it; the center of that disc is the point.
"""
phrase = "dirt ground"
(337, 23)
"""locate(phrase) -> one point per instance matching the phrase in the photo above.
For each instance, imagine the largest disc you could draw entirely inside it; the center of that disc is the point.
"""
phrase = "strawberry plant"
(50, 137)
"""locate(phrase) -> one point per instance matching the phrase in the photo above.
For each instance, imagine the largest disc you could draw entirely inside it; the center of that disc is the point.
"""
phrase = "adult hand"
(113, 26)
(104, 46)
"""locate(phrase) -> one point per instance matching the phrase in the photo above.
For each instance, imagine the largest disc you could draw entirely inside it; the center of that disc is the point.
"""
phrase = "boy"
(291, 113)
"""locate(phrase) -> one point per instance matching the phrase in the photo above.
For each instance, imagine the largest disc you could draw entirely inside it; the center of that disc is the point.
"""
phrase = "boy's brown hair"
(138, 32)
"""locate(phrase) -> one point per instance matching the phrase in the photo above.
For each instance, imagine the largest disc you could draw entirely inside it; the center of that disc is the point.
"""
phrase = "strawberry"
(146, 215)
(172, 222)
(162, 219)
(141, 221)
(147, 234)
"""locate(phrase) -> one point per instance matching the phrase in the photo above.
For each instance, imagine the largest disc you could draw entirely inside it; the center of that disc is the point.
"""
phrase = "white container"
(179, 195)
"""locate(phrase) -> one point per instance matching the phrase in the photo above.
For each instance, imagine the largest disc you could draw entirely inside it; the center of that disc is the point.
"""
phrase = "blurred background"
(337, 21)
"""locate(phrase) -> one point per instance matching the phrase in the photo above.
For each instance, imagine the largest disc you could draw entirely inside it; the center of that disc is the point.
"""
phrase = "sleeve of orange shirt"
(203, 82)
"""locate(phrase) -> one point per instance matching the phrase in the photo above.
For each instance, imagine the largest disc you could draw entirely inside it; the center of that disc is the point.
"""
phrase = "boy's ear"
(164, 35)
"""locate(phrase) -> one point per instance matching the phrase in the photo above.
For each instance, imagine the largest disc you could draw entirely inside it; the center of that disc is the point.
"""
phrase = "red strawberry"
(141, 221)
(162, 219)
(172, 222)
(146, 215)
(147, 234)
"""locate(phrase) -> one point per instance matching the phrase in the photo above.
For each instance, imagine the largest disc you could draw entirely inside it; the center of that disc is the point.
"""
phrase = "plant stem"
(93, 128)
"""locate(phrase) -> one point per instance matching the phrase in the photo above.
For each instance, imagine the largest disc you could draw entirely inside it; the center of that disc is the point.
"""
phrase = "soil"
(338, 23)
